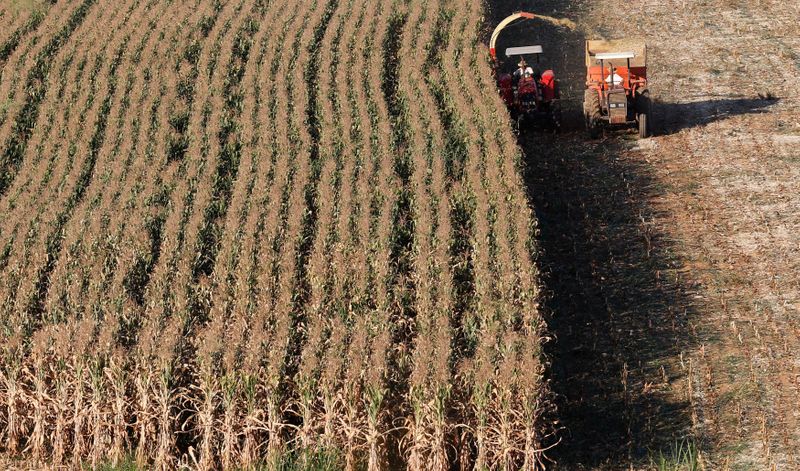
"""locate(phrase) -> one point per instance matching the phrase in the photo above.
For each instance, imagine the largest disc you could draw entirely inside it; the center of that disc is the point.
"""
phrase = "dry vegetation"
(262, 233)
(240, 234)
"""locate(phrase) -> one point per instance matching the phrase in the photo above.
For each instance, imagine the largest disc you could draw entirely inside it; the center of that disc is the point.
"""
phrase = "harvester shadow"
(615, 305)
(671, 118)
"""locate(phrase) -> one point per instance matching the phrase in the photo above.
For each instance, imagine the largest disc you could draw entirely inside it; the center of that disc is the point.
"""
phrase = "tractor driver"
(522, 71)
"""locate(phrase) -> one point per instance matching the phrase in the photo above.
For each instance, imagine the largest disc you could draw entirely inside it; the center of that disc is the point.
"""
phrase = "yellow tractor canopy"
(620, 47)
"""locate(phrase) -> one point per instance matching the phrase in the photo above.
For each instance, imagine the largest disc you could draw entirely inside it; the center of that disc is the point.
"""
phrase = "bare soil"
(671, 263)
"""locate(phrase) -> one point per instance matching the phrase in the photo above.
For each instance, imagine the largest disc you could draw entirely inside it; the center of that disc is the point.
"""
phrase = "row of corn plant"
(230, 145)
(17, 142)
(403, 279)
(117, 383)
(240, 414)
(82, 181)
(83, 249)
(300, 229)
(150, 179)
(302, 352)
(260, 398)
(18, 64)
(30, 24)
(120, 368)
(341, 381)
(492, 398)
(160, 367)
(186, 71)
(430, 424)
(36, 372)
(383, 198)
(514, 235)
(43, 215)
(347, 334)
(134, 236)
(54, 212)
(188, 181)
(185, 301)
(68, 92)
(42, 206)
(225, 397)
(315, 392)
(282, 221)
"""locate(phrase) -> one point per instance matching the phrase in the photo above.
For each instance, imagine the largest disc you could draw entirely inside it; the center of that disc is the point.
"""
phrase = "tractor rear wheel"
(591, 112)
(644, 113)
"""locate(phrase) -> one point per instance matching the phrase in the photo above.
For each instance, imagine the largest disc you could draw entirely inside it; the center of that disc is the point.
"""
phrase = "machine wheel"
(591, 112)
(644, 113)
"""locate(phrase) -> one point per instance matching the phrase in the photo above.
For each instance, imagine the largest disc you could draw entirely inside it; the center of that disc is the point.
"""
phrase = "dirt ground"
(672, 263)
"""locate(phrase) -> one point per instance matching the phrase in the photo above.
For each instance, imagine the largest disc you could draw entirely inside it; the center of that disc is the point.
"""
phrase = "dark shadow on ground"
(615, 306)
(673, 117)
(615, 303)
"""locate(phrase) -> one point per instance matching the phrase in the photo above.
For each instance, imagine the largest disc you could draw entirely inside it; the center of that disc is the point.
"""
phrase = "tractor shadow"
(670, 118)
(616, 307)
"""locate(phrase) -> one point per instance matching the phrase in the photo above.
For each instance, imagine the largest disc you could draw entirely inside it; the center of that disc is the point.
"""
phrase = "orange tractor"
(531, 96)
(616, 86)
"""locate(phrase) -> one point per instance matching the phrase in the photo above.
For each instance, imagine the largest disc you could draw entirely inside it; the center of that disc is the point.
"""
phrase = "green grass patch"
(682, 456)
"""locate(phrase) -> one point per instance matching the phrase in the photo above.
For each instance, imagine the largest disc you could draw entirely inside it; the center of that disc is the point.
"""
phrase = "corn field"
(240, 234)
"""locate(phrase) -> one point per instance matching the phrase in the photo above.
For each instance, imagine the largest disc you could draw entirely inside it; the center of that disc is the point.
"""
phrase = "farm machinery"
(616, 86)
(530, 95)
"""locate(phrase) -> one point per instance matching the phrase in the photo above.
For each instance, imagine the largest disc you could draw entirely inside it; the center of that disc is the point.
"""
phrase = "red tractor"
(616, 86)
(531, 96)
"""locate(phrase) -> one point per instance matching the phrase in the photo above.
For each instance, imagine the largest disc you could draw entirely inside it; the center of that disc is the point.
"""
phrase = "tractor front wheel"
(644, 113)
(591, 112)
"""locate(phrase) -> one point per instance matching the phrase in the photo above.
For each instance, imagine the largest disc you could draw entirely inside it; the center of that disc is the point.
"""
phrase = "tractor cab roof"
(523, 50)
(606, 56)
